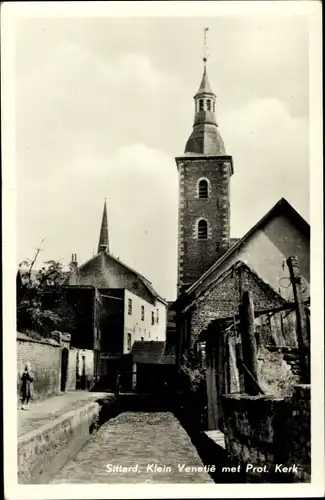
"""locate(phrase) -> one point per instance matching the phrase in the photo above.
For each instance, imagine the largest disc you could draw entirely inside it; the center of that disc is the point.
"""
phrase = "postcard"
(162, 249)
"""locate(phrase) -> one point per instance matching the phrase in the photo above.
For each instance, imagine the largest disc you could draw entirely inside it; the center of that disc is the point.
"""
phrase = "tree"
(42, 306)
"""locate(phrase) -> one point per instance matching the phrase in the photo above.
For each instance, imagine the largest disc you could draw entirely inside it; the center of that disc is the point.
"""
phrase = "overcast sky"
(103, 106)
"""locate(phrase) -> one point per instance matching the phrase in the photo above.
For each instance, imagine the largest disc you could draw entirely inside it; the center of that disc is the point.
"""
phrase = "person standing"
(27, 387)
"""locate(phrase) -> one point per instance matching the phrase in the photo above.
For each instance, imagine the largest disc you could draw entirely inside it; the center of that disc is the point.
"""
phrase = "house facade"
(129, 310)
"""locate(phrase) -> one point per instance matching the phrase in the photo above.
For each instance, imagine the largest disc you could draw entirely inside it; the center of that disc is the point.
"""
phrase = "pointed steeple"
(205, 138)
(205, 87)
(103, 237)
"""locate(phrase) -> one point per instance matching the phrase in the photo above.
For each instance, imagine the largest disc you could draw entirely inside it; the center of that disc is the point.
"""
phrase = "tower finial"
(205, 48)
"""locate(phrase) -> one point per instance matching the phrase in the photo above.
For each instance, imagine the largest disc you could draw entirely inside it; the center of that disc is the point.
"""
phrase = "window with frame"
(201, 105)
(208, 105)
(142, 313)
(203, 189)
(152, 317)
(129, 340)
(130, 307)
(202, 229)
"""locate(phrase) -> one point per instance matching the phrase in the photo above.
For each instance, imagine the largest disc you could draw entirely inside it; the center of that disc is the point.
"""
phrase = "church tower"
(204, 180)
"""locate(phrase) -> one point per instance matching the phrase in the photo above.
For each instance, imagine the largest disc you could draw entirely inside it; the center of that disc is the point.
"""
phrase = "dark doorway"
(64, 368)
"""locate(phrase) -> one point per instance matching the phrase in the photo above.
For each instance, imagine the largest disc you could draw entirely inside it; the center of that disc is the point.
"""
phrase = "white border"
(10, 13)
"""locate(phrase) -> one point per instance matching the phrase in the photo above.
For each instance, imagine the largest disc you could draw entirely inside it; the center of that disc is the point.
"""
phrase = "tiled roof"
(150, 352)
(142, 278)
(282, 207)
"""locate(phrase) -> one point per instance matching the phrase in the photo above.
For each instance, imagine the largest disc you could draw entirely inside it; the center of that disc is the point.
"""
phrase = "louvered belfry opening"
(203, 189)
(202, 229)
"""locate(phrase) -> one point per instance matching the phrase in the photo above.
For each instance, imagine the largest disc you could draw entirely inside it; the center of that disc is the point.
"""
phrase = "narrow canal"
(136, 447)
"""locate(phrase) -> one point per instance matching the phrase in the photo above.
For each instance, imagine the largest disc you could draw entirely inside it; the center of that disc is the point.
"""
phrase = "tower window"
(202, 230)
(203, 189)
(208, 105)
(201, 105)
(214, 106)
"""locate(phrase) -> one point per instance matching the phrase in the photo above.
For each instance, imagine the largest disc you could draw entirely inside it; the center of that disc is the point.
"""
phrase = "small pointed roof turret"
(205, 138)
(205, 87)
(103, 236)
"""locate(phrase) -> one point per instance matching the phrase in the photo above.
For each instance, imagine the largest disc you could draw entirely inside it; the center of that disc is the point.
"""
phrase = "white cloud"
(270, 151)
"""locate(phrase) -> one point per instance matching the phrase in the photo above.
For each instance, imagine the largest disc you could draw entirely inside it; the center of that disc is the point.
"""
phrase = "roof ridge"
(282, 202)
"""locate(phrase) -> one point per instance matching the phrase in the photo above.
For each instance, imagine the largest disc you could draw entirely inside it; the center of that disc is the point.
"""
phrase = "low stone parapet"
(42, 452)
(268, 437)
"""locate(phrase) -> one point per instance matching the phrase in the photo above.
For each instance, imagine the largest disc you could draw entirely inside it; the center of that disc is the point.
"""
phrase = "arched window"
(208, 105)
(202, 230)
(201, 105)
(203, 189)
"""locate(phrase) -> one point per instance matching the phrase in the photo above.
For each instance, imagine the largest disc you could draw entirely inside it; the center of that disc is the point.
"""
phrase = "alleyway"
(140, 440)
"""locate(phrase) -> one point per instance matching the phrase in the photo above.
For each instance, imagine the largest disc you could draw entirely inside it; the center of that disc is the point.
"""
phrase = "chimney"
(73, 274)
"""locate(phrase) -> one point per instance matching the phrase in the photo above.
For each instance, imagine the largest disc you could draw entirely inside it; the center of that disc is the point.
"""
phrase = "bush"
(41, 306)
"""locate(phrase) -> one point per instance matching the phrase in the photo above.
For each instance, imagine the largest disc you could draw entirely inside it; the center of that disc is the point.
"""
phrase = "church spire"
(205, 87)
(205, 138)
(103, 237)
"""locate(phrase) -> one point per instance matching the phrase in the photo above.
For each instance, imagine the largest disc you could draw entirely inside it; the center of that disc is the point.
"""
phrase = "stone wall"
(268, 437)
(44, 357)
(222, 298)
(196, 256)
(42, 452)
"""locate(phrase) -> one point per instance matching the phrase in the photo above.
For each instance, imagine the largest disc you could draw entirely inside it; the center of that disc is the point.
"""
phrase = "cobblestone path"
(143, 441)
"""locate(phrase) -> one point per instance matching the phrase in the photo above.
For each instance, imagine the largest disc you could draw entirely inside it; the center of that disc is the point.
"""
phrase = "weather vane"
(205, 49)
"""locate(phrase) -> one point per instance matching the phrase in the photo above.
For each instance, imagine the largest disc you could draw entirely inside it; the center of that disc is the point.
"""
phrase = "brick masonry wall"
(222, 299)
(196, 256)
(45, 362)
(263, 431)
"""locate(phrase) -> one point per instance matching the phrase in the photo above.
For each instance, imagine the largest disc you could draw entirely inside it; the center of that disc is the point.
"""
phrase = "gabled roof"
(267, 287)
(282, 207)
(142, 278)
(151, 352)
